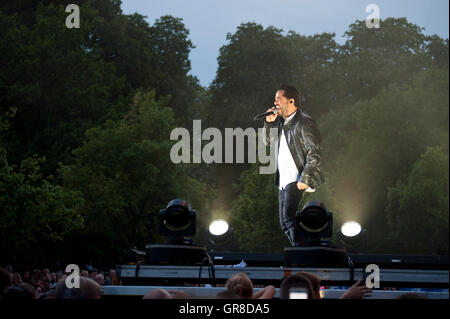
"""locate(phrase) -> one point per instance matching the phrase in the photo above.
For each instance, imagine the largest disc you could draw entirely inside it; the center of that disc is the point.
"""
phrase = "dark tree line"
(86, 116)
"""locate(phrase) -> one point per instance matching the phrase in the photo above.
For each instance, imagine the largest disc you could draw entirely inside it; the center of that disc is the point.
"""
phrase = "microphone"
(257, 117)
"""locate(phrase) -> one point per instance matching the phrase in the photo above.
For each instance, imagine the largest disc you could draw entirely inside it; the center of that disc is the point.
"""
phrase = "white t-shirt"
(286, 165)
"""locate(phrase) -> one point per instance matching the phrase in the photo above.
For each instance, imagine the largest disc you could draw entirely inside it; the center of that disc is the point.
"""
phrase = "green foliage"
(103, 99)
(33, 208)
(71, 89)
(381, 99)
(65, 81)
(256, 61)
(372, 59)
(371, 145)
(418, 208)
(125, 174)
(56, 80)
(254, 214)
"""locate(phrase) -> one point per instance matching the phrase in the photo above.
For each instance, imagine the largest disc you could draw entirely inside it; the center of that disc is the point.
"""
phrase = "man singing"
(298, 164)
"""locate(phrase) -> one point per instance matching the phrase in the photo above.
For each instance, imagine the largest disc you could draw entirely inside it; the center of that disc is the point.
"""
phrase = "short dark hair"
(290, 92)
(89, 289)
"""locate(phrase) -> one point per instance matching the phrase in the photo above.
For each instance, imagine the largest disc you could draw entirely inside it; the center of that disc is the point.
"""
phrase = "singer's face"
(282, 104)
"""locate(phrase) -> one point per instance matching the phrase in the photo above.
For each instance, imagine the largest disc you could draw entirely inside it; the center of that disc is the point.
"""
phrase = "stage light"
(315, 223)
(351, 229)
(352, 236)
(218, 227)
(177, 220)
(219, 235)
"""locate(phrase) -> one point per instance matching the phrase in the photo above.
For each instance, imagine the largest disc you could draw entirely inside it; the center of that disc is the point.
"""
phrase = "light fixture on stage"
(219, 235)
(218, 227)
(177, 222)
(352, 236)
(351, 229)
(315, 223)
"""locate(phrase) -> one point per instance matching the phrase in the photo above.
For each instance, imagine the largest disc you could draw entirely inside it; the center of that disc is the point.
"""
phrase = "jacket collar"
(295, 119)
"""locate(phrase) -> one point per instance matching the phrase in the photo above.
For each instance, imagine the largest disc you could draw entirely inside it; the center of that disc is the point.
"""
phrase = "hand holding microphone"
(270, 115)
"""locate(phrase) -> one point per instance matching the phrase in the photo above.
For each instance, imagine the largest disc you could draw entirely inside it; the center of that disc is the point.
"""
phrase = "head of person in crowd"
(241, 285)
(84, 273)
(227, 294)
(26, 276)
(159, 293)
(16, 279)
(23, 291)
(9, 268)
(46, 285)
(112, 274)
(46, 271)
(5, 281)
(112, 277)
(36, 274)
(53, 277)
(100, 279)
(59, 275)
(94, 273)
(43, 276)
(89, 289)
(14, 293)
(30, 289)
(295, 282)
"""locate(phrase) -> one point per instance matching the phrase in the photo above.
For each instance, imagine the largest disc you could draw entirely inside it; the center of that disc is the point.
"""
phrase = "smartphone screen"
(298, 293)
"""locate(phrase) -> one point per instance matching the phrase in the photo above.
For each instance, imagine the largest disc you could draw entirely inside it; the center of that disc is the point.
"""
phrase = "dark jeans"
(288, 200)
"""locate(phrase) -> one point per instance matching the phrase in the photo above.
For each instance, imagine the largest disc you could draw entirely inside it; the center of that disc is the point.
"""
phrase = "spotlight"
(352, 235)
(177, 221)
(218, 227)
(315, 222)
(350, 229)
(220, 235)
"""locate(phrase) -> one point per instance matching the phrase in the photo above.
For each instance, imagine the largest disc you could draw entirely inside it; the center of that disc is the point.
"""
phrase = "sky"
(209, 21)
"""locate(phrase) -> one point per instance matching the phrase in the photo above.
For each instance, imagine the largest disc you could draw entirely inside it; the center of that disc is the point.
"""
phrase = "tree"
(372, 59)
(58, 83)
(34, 209)
(65, 81)
(256, 61)
(126, 176)
(254, 214)
(418, 207)
(372, 145)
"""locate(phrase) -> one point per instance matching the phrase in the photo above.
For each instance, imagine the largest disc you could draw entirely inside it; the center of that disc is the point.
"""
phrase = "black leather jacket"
(303, 139)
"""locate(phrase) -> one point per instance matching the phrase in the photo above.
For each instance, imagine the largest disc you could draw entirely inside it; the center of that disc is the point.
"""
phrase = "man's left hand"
(302, 186)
